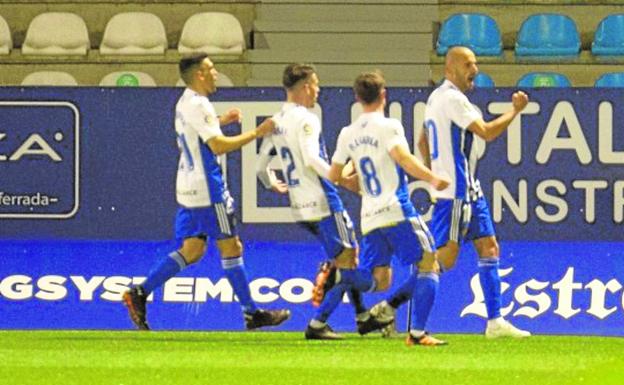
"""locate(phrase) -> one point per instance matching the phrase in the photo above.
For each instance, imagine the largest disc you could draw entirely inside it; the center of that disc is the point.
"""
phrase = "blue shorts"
(459, 221)
(406, 240)
(335, 233)
(215, 222)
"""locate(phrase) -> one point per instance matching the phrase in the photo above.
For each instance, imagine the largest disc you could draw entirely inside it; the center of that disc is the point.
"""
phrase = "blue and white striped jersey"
(452, 147)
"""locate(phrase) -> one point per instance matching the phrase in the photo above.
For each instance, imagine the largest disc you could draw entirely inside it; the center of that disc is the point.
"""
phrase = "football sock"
(164, 269)
(355, 297)
(425, 292)
(491, 286)
(358, 279)
(330, 302)
(403, 292)
(235, 272)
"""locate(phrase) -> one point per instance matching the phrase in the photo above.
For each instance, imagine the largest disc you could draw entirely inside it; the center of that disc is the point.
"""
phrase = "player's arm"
(222, 144)
(423, 148)
(494, 128)
(337, 169)
(266, 176)
(309, 143)
(413, 166)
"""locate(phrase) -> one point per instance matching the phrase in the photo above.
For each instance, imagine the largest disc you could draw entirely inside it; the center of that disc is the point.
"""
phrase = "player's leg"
(193, 248)
(223, 227)
(482, 231)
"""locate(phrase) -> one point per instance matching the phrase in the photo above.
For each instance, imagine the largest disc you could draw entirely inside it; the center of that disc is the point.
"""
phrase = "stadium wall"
(87, 204)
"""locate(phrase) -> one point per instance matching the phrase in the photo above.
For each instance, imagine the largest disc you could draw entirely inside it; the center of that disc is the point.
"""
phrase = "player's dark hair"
(368, 86)
(296, 72)
(189, 64)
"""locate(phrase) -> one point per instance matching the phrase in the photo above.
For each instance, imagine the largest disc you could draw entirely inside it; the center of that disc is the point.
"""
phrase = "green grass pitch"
(276, 358)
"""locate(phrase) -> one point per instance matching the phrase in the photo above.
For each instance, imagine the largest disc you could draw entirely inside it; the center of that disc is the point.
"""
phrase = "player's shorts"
(215, 222)
(459, 221)
(335, 233)
(406, 240)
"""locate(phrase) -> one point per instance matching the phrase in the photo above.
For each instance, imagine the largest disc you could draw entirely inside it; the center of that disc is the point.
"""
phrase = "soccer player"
(460, 212)
(390, 224)
(206, 206)
(314, 199)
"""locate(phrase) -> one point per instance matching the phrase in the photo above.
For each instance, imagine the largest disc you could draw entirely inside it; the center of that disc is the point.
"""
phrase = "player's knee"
(447, 255)
(383, 277)
(346, 259)
(231, 247)
(428, 263)
(193, 250)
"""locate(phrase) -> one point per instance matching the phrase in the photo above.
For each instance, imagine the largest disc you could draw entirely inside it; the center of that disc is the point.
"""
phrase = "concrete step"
(344, 26)
(346, 56)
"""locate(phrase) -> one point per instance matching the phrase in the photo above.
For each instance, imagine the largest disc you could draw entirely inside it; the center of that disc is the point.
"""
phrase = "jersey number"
(287, 157)
(372, 184)
(432, 132)
(186, 152)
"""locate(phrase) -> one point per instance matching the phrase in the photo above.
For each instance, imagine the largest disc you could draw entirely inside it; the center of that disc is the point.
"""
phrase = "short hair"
(189, 64)
(296, 72)
(368, 86)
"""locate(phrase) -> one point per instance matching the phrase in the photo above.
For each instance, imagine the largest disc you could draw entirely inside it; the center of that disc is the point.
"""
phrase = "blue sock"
(355, 297)
(491, 286)
(358, 279)
(235, 272)
(424, 295)
(164, 269)
(330, 302)
(403, 293)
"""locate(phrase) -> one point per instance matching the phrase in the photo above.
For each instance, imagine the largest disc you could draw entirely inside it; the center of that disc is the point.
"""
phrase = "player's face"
(466, 72)
(313, 90)
(208, 76)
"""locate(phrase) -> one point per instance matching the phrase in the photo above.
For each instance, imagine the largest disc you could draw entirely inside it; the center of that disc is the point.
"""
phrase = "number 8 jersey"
(368, 142)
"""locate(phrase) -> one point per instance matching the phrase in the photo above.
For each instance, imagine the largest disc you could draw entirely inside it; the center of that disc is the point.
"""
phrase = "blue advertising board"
(87, 205)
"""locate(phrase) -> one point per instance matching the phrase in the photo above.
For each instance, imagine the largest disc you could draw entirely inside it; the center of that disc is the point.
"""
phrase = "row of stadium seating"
(552, 79)
(540, 35)
(127, 33)
(113, 79)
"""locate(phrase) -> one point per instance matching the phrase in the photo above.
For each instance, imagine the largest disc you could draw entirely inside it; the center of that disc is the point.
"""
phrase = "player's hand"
(440, 183)
(233, 115)
(265, 128)
(351, 182)
(279, 186)
(519, 100)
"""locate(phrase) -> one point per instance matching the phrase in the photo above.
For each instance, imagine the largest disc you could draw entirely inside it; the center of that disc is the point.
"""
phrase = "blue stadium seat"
(543, 79)
(548, 34)
(609, 36)
(483, 81)
(476, 31)
(613, 79)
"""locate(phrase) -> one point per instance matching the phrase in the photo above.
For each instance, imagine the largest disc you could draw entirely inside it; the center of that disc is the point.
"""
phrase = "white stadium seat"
(212, 32)
(49, 78)
(56, 33)
(128, 79)
(6, 42)
(134, 33)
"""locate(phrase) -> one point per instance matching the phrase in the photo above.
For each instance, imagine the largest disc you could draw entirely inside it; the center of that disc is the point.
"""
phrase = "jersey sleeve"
(396, 135)
(309, 143)
(461, 111)
(206, 122)
(341, 155)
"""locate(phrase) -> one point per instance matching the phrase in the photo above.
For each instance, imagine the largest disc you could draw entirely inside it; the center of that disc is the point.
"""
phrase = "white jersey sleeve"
(341, 154)
(461, 111)
(396, 135)
(309, 142)
(205, 122)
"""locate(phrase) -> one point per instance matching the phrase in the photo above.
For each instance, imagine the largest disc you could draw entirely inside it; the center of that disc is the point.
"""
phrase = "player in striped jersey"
(314, 200)
(390, 225)
(206, 206)
(461, 213)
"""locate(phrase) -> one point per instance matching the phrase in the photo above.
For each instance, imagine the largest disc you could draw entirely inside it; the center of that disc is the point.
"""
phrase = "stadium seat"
(56, 33)
(544, 79)
(127, 79)
(212, 32)
(6, 42)
(483, 81)
(134, 33)
(613, 79)
(609, 36)
(548, 34)
(477, 31)
(222, 81)
(49, 78)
